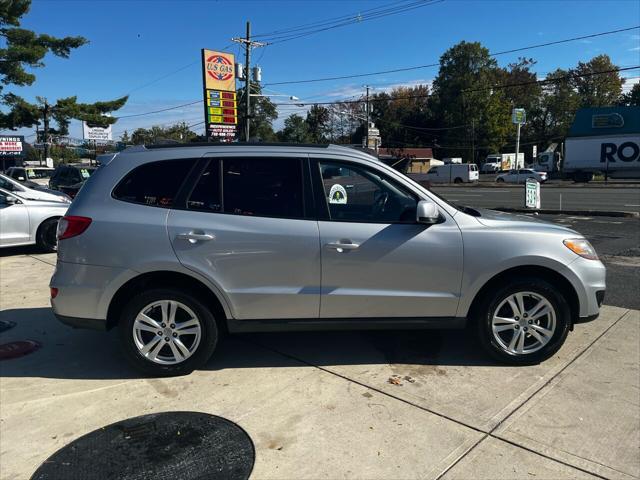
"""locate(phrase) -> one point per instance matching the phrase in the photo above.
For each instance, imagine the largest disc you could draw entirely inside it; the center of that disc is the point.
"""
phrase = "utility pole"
(473, 141)
(248, 45)
(45, 112)
(366, 145)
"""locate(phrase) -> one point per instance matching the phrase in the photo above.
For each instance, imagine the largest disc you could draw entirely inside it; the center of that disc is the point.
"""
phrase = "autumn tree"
(595, 88)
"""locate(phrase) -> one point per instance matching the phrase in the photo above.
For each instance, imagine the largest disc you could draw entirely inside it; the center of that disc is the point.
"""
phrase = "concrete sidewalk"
(320, 405)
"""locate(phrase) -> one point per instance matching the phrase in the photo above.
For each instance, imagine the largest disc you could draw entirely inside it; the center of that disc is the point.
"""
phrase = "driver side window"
(358, 194)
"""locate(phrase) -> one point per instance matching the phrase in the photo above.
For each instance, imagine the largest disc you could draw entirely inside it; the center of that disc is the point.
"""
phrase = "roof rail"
(237, 144)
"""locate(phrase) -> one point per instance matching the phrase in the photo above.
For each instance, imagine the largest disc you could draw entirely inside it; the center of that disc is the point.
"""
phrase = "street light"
(291, 97)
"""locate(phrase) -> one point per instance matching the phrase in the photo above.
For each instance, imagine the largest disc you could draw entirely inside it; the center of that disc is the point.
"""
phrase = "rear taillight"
(71, 226)
(54, 292)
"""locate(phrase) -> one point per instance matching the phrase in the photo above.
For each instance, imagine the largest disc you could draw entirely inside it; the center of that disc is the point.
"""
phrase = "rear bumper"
(87, 323)
(85, 292)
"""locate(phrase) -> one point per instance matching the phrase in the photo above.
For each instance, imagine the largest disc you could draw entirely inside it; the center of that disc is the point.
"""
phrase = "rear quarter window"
(155, 184)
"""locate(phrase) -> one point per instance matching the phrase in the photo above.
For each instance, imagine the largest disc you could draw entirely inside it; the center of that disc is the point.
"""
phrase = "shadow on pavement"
(24, 250)
(68, 353)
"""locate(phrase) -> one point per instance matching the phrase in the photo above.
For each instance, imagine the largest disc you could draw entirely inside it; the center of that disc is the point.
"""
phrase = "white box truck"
(602, 141)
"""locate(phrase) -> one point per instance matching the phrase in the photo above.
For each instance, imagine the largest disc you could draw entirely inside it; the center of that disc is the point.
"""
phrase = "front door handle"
(195, 237)
(342, 246)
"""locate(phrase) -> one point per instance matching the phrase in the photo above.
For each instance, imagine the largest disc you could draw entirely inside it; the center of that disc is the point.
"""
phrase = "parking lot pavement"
(321, 405)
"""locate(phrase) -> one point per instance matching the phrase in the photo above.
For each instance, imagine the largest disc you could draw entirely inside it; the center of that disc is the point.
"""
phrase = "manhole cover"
(170, 445)
(6, 325)
(17, 349)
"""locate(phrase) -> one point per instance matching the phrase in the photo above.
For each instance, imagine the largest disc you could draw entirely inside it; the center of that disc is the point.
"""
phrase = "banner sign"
(219, 84)
(96, 133)
(12, 146)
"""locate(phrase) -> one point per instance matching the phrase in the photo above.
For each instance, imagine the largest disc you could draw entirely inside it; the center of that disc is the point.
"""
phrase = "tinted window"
(155, 183)
(206, 194)
(270, 187)
(357, 194)
(433, 170)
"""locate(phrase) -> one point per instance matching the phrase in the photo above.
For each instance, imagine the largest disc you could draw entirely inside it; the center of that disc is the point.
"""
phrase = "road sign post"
(519, 117)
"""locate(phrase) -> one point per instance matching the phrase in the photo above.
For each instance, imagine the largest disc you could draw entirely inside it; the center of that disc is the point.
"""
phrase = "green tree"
(319, 123)
(556, 108)
(601, 89)
(464, 93)
(125, 138)
(179, 132)
(295, 130)
(632, 97)
(263, 113)
(24, 50)
(403, 116)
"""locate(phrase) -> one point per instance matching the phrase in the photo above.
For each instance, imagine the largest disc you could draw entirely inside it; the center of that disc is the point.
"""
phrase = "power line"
(357, 19)
(430, 65)
(325, 21)
(491, 87)
(159, 111)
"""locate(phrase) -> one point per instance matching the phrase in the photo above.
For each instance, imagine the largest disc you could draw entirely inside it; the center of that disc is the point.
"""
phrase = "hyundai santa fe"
(174, 244)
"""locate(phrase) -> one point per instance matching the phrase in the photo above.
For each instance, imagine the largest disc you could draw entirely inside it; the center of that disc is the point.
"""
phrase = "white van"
(453, 173)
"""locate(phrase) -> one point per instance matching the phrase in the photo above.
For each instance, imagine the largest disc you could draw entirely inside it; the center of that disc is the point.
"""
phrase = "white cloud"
(635, 49)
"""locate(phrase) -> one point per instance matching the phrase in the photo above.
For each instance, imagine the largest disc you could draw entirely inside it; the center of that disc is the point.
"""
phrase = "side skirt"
(324, 324)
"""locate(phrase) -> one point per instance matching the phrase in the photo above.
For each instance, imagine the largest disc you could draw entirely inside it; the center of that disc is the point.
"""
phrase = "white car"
(31, 191)
(28, 222)
(521, 176)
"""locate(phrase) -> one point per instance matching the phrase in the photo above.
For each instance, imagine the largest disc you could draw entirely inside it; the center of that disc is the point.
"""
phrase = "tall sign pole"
(248, 45)
(247, 85)
(519, 117)
(219, 85)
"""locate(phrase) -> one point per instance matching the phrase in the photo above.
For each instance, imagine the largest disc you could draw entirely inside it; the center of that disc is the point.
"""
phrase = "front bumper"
(590, 285)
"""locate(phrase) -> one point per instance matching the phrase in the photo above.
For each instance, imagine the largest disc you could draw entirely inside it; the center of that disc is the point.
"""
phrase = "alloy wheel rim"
(523, 323)
(167, 332)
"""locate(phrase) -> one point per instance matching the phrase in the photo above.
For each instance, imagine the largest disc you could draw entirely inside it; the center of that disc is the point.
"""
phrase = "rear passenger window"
(155, 183)
(269, 187)
(206, 194)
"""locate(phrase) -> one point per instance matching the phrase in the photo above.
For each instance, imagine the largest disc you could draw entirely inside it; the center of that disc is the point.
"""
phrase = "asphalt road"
(626, 199)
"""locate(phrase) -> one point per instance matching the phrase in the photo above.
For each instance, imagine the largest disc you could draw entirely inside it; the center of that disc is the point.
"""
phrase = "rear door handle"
(342, 247)
(194, 237)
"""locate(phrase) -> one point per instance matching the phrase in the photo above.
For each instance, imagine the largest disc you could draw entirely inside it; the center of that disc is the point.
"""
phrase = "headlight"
(582, 247)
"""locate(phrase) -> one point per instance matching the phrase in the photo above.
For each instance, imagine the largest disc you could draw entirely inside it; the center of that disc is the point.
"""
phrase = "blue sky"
(133, 43)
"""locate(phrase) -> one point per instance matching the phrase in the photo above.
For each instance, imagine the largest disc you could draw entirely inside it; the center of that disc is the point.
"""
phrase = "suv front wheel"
(525, 322)
(167, 332)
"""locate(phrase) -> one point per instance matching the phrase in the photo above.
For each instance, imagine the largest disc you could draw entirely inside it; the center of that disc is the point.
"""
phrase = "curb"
(588, 213)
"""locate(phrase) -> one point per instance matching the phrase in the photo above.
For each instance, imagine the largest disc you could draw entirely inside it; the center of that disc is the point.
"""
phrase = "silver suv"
(175, 244)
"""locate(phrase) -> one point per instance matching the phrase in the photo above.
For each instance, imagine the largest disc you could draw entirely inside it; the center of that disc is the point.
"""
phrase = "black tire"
(457, 180)
(201, 354)
(46, 235)
(527, 284)
(500, 180)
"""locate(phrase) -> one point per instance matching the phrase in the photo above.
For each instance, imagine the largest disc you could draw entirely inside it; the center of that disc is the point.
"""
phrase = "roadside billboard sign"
(532, 194)
(99, 134)
(220, 103)
(12, 146)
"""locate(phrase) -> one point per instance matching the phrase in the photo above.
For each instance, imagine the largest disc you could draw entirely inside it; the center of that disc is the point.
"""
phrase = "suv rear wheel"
(525, 322)
(166, 332)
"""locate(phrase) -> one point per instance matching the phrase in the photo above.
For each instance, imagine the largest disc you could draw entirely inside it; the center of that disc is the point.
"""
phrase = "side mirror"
(427, 213)
(11, 200)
